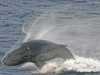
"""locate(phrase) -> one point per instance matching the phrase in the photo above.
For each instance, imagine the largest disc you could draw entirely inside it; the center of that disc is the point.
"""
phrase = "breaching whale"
(37, 51)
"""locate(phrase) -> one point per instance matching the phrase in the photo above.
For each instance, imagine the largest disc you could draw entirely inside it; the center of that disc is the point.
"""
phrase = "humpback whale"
(37, 51)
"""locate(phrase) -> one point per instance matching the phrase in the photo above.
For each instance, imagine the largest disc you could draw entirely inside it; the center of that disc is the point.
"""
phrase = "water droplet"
(28, 48)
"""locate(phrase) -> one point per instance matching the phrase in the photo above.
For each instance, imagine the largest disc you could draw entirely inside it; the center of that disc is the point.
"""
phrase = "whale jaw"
(16, 57)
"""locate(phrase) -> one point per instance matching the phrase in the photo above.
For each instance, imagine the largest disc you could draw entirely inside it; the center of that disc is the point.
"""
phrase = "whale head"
(16, 58)
(19, 56)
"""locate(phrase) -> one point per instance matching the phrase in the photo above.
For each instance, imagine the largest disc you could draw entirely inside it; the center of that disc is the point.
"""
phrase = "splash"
(81, 64)
(39, 28)
(76, 32)
(28, 34)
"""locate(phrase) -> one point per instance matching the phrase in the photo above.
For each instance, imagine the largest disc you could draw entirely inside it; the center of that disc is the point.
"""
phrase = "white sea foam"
(81, 64)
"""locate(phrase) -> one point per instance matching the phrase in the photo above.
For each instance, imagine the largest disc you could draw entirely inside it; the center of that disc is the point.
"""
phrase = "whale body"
(37, 51)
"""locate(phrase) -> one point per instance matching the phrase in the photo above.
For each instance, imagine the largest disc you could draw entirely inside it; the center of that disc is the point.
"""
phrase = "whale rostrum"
(37, 51)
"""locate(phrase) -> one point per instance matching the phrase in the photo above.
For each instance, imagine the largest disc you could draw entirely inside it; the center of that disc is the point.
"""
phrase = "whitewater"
(58, 65)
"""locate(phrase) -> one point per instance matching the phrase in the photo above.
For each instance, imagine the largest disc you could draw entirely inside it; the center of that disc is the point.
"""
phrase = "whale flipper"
(62, 52)
(40, 61)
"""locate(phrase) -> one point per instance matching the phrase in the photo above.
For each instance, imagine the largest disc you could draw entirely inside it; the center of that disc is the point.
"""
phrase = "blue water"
(72, 22)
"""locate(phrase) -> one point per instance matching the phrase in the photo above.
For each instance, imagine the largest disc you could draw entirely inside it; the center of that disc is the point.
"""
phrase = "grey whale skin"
(37, 51)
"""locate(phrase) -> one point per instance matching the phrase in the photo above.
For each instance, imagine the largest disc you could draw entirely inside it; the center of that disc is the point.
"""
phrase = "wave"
(81, 64)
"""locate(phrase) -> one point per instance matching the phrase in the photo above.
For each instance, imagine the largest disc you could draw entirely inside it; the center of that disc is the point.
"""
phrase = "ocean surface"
(75, 23)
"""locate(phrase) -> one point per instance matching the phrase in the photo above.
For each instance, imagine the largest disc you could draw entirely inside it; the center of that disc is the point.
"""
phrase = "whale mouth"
(13, 59)
(9, 62)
